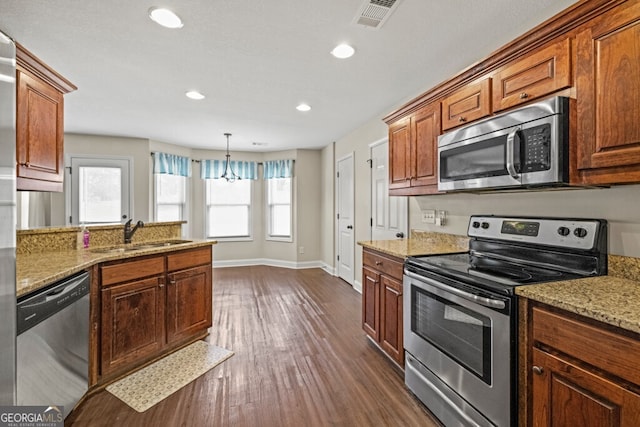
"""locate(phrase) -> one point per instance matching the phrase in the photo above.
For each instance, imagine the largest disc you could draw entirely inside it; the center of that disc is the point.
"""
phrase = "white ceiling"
(255, 60)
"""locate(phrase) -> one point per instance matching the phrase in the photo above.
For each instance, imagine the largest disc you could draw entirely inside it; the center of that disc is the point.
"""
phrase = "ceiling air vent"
(374, 13)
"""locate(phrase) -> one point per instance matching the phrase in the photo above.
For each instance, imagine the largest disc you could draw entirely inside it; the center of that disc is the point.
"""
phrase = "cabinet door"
(400, 154)
(39, 134)
(391, 318)
(534, 76)
(132, 322)
(567, 395)
(470, 103)
(188, 302)
(425, 128)
(607, 92)
(371, 303)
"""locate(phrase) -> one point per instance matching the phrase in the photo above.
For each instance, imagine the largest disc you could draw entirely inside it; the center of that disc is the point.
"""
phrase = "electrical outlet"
(429, 216)
(441, 218)
(301, 249)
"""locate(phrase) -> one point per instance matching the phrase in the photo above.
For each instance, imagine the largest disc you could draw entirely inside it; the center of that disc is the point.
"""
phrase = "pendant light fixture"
(229, 174)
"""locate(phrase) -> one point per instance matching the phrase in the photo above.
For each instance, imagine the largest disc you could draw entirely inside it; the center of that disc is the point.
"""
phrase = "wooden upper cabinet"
(470, 103)
(425, 128)
(608, 94)
(399, 154)
(39, 124)
(413, 150)
(535, 75)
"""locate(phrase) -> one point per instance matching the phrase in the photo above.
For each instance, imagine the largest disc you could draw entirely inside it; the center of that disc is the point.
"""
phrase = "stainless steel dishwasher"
(53, 344)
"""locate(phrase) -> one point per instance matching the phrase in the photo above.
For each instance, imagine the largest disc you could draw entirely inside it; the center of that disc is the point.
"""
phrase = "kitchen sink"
(139, 247)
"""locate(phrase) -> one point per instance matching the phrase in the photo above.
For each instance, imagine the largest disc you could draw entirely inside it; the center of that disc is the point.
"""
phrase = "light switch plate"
(429, 216)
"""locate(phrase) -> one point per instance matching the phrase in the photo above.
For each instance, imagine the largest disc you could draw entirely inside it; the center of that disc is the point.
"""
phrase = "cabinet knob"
(378, 262)
(161, 285)
(537, 370)
(462, 119)
(524, 95)
(25, 164)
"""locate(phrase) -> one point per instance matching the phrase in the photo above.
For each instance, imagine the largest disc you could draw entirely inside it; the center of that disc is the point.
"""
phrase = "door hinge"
(370, 161)
(70, 170)
(338, 257)
(337, 174)
(338, 216)
(70, 220)
(371, 222)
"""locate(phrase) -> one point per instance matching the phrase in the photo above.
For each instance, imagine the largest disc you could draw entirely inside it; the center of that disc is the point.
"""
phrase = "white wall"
(620, 205)
(307, 196)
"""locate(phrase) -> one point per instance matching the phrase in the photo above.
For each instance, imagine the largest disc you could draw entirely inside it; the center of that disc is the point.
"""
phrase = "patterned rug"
(146, 387)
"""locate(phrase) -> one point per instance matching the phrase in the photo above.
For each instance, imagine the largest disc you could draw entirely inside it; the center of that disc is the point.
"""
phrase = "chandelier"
(229, 174)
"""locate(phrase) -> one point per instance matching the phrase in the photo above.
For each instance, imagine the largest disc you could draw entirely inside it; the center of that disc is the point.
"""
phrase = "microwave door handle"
(511, 139)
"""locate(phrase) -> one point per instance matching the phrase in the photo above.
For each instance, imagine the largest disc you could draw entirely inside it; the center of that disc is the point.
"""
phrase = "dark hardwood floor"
(301, 359)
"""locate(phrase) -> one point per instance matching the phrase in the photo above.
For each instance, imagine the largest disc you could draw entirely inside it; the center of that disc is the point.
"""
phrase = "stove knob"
(580, 232)
(564, 231)
(475, 224)
(485, 225)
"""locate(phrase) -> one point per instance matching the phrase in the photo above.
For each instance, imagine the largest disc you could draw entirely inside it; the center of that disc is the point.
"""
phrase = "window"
(228, 209)
(99, 190)
(279, 209)
(171, 197)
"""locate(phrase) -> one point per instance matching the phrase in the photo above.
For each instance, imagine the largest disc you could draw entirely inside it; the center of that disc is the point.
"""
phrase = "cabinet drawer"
(189, 258)
(615, 353)
(131, 270)
(386, 265)
(536, 75)
(470, 103)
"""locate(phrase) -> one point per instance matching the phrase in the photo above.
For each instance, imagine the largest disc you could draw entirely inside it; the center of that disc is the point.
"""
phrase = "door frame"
(350, 155)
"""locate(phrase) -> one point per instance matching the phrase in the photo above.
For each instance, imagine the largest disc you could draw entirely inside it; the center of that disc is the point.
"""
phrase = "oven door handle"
(486, 302)
(511, 139)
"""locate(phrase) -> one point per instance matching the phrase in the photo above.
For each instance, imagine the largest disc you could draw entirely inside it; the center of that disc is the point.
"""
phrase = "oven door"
(460, 351)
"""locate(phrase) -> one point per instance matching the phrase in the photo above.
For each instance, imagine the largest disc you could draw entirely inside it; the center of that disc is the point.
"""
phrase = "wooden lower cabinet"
(188, 302)
(382, 302)
(151, 305)
(132, 322)
(580, 372)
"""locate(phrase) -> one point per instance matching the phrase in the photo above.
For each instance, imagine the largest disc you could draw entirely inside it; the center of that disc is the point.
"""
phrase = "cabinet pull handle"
(173, 282)
(537, 370)
(524, 95)
(462, 119)
(378, 262)
(25, 164)
(161, 285)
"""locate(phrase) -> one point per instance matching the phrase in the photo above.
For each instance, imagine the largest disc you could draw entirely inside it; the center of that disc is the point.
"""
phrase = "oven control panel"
(568, 233)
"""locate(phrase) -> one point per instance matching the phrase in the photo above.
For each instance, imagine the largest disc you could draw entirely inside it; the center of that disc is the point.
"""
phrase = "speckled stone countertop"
(419, 243)
(612, 299)
(36, 270)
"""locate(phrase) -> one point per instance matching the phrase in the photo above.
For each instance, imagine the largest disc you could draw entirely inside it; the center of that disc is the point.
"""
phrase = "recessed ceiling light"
(194, 94)
(165, 17)
(303, 107)
(343, 51)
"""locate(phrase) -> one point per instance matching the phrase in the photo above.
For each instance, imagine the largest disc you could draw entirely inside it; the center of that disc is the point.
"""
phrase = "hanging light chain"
(229, 174)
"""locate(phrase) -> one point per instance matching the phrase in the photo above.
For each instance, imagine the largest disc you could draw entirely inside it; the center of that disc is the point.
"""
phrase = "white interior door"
(345, 218)
(388, 214)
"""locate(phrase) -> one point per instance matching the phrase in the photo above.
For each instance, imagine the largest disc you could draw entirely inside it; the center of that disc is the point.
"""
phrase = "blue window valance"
(213, 169)
(278, 169)
(171, 164)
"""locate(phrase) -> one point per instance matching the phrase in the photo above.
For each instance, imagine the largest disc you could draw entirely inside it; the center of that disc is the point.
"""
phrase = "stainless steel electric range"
(460, 310)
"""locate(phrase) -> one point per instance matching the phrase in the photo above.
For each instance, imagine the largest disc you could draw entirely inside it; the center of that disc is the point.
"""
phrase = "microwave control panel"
(536, 144)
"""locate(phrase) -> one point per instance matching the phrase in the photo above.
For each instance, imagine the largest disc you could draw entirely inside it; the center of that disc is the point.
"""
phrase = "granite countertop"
(34, 271)
(420, 243)
(609, 299)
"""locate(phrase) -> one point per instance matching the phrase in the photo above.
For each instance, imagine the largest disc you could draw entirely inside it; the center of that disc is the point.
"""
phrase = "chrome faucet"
(128, 231)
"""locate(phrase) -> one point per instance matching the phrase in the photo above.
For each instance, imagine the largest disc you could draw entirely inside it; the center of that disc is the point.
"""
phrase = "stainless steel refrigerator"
(7, 221)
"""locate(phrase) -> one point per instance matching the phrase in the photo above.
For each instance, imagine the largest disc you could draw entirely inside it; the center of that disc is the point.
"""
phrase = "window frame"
(184, 207)
(126, 163)
(251, 204)
(268, 212)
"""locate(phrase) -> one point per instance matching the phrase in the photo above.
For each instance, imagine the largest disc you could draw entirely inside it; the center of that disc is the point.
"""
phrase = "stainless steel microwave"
(526, 147)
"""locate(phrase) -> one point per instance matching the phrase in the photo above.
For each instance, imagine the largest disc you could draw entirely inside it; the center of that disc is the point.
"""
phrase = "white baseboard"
(357, 286)
(269, 262)
(329, 269)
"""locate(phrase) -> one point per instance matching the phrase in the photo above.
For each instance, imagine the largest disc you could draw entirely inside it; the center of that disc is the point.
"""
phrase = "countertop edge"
(25, 285)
